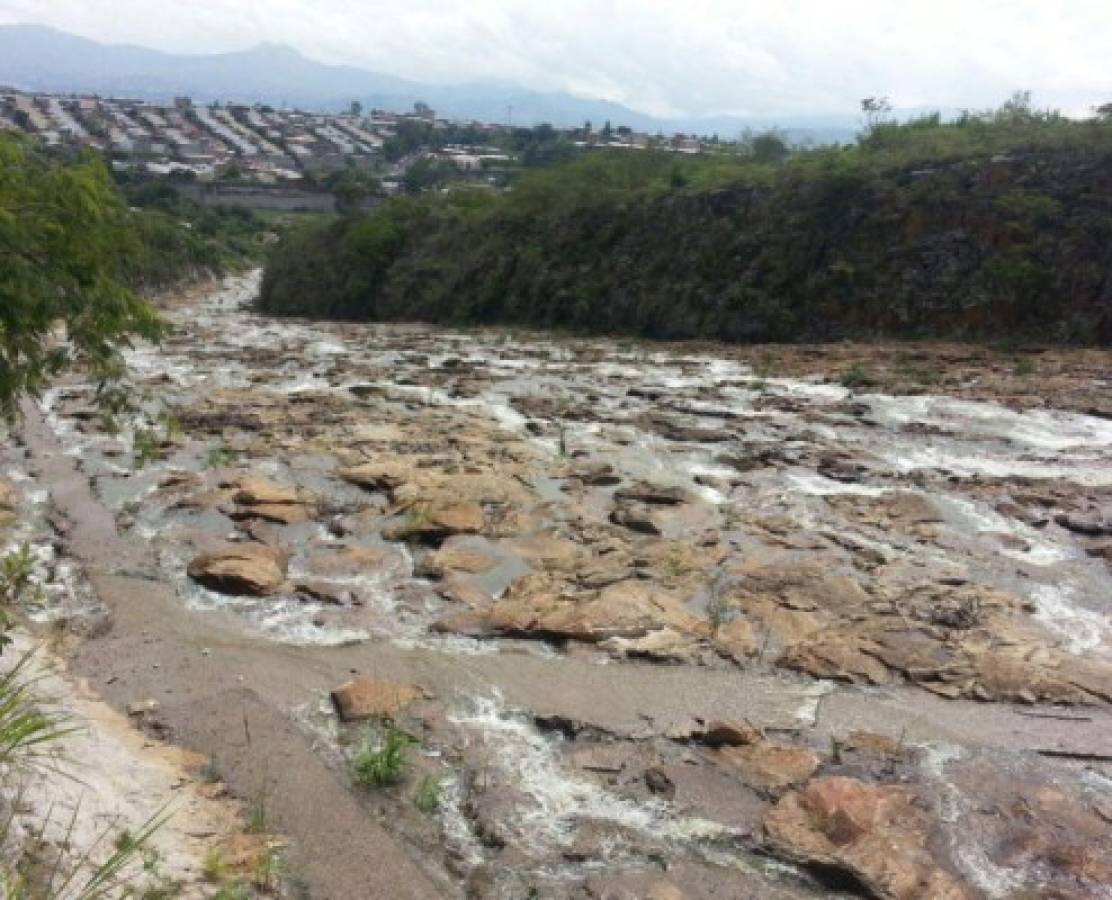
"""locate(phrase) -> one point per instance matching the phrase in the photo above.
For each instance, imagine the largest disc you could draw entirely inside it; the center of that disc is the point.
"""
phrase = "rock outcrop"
(246, 568)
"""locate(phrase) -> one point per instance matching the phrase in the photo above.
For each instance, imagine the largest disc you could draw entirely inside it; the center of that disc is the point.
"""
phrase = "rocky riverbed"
(659, 622)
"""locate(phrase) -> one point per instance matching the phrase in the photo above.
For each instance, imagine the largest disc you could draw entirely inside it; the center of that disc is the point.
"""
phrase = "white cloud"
(662, 56)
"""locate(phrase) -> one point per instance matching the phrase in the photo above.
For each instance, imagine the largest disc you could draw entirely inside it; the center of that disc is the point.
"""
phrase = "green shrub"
(857, 376)
(427, 796)
(384, 764)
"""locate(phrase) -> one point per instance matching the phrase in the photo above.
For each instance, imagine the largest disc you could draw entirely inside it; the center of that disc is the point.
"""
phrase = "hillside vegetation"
(994, 226)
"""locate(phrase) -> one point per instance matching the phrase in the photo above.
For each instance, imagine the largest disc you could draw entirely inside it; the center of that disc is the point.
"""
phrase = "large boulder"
(628, 609)
(258, 498)
(653, 494)
(385, 475)
(433, 524)
(455, 559)
(246, 568)
(875, 833)
(365, 698)
(536, 607)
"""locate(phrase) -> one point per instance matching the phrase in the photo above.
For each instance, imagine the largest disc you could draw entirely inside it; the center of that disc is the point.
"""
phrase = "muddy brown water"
(546, 747)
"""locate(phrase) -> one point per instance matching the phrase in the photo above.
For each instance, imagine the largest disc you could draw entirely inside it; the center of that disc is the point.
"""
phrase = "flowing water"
(818, 512)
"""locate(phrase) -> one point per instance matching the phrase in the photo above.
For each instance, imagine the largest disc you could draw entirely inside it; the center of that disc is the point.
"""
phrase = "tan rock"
(877, 834)
(654, 494)
(259, 498)
(247, 568)
(364, 698)
(636, 517)
(628, 609)
(736, 640)
(1013, 676)
(463, 590)
(663, 644)
(435, 523)
(455, 559)
(768, 766)
(279, 513)
(664, 890)
(251, 490)
(386, 475)
(548, 552)
(837, 656)
(348, 561)
(9, 496)
(335, 593)
(9, 501)
(871, 742)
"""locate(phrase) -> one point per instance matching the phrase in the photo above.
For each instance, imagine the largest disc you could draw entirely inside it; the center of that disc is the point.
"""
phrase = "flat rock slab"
(366, 698)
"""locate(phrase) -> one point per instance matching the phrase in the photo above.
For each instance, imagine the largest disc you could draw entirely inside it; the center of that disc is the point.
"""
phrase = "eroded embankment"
(657, 621)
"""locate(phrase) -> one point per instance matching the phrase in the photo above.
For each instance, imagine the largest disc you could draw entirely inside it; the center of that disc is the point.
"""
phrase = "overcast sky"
(667, 57)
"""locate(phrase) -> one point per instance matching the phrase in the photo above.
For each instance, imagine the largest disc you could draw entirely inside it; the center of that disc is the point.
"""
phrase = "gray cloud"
(668, 57)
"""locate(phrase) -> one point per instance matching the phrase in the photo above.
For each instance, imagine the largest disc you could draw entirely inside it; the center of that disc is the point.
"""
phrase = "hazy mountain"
(35, 57)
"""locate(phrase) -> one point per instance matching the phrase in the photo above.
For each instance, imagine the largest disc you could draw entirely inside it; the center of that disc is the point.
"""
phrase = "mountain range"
(39, 58)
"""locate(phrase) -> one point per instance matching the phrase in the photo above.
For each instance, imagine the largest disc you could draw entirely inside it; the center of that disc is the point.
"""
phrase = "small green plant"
(115, 877)
(27, 733)
(257, 815)
(385, 764)
(209, 772)
(910, 369)
(676, 563)
(221, 456)
(1024, 366)
(237, 890)
(268, 870)
(171, 424)
(214, 867)
(427, 796)
(17, 585)
(416, 521)
(719, 611)
(857, 376)
(146, 447)
(130, 508)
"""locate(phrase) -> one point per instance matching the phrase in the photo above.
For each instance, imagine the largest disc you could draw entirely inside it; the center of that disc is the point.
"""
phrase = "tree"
(428, 174)
(352, 188)
(1104, 112)
(876, 110)
(66, 244)
(769, 147)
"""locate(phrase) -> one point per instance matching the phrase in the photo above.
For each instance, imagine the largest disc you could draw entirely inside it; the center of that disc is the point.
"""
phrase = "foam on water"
(531, 764)
(1080, 629)
(284, 620)
(967, 850)
(816, 485)
(1041, 552)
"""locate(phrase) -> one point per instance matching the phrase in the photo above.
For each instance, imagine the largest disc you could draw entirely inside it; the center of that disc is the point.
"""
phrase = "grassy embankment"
(995, 226)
